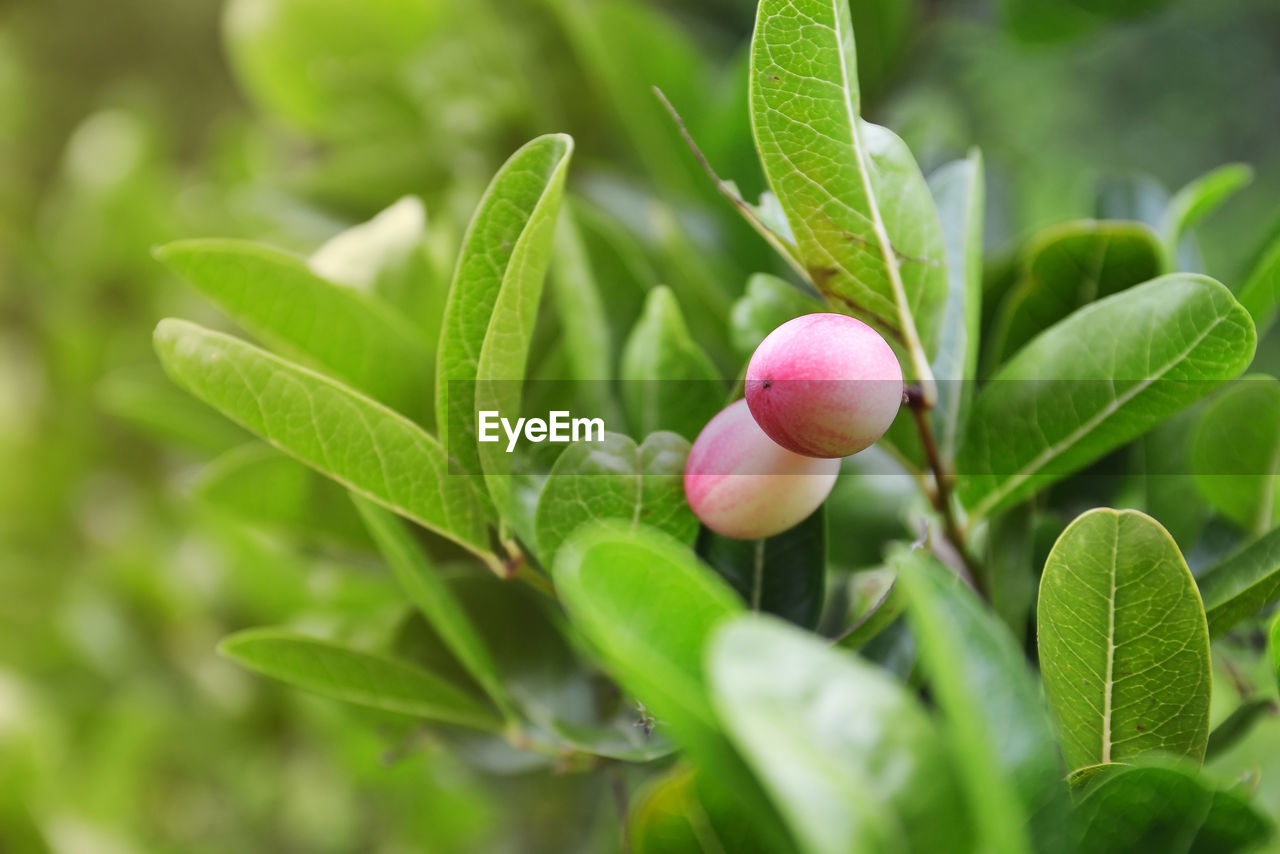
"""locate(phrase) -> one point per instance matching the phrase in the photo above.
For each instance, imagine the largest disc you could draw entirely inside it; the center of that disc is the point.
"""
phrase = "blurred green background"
(129, 124)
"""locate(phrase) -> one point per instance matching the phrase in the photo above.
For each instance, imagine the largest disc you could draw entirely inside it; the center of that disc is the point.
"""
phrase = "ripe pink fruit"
(741, 484)
(824, 385)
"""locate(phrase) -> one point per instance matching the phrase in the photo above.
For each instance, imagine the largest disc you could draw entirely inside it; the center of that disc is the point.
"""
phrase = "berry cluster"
(818, 388)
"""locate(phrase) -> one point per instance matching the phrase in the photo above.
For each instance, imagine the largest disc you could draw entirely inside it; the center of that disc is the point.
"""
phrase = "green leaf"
(584, 322)
(959, 190)
(1235, 453)
(648, 606)
(1165, 809)
(261, 486)
(338, 331)
(1124, 647)
(1238, 724)
(431, 594)
(865, 225)
(493, 301)
(1243, 584)
(352, 676)
(999, 730)
(1261, 291)
(1066, 268)
(1200, 198)
(616, 479)
(1097, 380)
(767, 303)
(356, 441)
(681, 814)
(669, 383)
(783, 575)
(850, 758)
(145, 399)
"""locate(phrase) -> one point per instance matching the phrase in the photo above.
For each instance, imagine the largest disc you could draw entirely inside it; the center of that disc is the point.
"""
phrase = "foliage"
(986, 640)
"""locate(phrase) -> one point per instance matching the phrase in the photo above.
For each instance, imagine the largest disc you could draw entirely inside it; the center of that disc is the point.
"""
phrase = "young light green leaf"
(1243, 584)
(784, 575)
(999, 729)
(1124, 647)
(1098, 379)
(865, 225)
(261, 486)
(352, 676)
(1157, 808)
(1200, 198)
(356, 441)
(669, 383)
(1261, 291)
(431, 594)
(359, 256)
(1066, 268)
(278, 299)
(821, 729)
(767, 303)
(616, 479)
(494, 297)
(648, 607)
(959, 190)
(1235, 453)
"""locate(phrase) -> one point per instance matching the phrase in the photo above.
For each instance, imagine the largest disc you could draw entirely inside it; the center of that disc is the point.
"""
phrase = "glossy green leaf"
(429, 591)
(356, 441)
(1260, 293)
(616, 479)
(959, 190)
(1124, 647)
(784, 575)
(145, 399)
(865, 224)
(767, 303)
(999, 729)
(1243, 584)
(1235, 453)
(494, 298)
(261, 486)
(1096, 380)
(1066, 268)
(648, 607)
(1165, 809)
(669, 383)
(850, 758)
(356, 677)
(278, 299)
(1195, 201)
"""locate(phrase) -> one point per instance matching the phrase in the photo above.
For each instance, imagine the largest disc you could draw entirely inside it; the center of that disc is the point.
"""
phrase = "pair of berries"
(818, 388)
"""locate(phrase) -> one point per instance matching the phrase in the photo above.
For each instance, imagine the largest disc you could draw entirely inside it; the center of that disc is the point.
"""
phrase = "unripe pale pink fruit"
(824, 385)
(741, 484)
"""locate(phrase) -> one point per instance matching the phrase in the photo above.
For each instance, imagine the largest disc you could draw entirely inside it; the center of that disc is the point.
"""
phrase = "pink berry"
(824, 385)
(741, 484)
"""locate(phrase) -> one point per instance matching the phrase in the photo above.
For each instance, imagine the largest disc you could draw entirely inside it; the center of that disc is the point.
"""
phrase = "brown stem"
(940, 495)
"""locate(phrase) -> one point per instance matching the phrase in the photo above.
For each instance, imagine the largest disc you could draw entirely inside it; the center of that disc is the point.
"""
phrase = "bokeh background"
(127, 124)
